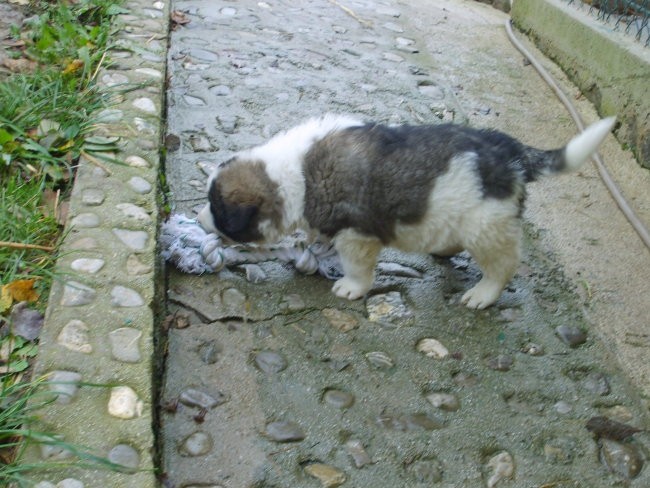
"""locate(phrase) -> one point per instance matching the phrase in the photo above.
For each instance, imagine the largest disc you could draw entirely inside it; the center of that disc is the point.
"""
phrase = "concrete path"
(274, 382)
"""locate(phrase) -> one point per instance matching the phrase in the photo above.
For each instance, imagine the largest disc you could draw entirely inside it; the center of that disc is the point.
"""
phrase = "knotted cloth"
(192, 250)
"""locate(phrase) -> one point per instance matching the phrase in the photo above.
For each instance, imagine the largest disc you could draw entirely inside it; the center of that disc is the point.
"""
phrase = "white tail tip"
(585, 144)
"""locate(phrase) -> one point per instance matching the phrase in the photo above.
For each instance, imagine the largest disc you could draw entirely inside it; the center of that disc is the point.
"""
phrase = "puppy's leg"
(358, 255)
(497, 254)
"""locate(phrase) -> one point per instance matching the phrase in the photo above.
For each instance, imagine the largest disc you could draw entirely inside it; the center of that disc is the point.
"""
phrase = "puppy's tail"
(570, 157)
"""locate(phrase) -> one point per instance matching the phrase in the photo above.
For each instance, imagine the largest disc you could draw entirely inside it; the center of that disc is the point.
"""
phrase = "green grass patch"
(19, 406)
(24, 220)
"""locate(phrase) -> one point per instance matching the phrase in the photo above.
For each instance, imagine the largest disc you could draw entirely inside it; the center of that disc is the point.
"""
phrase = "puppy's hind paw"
(350, 289)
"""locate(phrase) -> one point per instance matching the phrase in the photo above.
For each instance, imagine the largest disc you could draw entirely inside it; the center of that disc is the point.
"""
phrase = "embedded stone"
(145, 104)
(559, 451)
(338, 398)
(197, 398)
(84, 244)
(137, 162)
(44, 484)
(329, 476)
(134, 212)
(391, 26)
(74, 336)
(220, 90)
(389, 310)
(143, 126)
(124, 455)
(444, 401)
(200, 143)
(380, 360)
(285, 431)
(341, 321)
(209, 352)
(270, 362)
(75, 294)
(53, 452)
(140, 185)
(501, 362)
(427, 471)
(415, 421)
(110, 116)
(124, 403)
(92, 197)
(503, 468)
(571, 336)
(125, 344)
(70, 483)
(134, 239)
(533, 349)
(87, 265)
(293, 302)
(357, 451)
(193, 101)
(203, 55)
(196, 444)
(136, 267)
(125, 297)
(404, 41)
(597, 383)
(233, 299)
(623, 459)
(432, 348)
(153, 73)
(562, 407)
(395, 58)
(85, 221)
(63, 384)
(112, 79)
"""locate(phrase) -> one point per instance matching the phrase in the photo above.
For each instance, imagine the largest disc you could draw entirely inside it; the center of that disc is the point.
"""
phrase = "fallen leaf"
(23, 290)
(178, 19)
(611, 429)
(19, 2)
(5, 299)
(73, 66)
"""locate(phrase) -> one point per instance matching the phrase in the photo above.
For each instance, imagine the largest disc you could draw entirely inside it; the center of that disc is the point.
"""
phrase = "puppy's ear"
(237, 220)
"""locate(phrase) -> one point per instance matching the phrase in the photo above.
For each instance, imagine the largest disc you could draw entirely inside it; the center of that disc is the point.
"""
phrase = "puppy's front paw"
(350, 289)
(481, 296)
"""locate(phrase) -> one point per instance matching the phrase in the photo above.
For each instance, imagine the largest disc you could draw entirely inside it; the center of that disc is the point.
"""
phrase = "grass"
(19, 406)
(46, 123)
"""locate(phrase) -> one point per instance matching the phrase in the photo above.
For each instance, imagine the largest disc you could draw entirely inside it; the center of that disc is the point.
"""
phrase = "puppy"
(434, 189)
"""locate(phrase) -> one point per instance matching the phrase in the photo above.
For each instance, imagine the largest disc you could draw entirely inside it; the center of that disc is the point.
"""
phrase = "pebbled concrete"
(279, 383)
(96, 349)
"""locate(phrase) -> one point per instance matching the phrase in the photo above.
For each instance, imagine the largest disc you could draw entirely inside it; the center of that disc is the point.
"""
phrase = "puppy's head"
(244, 204)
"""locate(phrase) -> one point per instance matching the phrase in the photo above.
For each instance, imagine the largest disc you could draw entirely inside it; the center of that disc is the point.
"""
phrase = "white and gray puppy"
(434, 189)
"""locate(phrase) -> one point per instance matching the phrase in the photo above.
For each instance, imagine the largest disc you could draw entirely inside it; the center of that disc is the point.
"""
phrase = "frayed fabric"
(185, 244)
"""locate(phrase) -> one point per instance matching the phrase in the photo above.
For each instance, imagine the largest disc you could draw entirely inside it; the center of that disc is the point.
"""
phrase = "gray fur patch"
(369, 178)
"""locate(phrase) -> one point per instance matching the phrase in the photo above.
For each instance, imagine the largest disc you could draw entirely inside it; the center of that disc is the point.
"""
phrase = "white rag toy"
(192, 250)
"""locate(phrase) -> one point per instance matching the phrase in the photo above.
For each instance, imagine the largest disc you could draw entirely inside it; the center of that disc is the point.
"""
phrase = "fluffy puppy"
(433, 189)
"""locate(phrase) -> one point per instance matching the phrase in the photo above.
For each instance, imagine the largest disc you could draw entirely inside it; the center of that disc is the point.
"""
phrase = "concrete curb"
(609, 67)
(99, 325)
